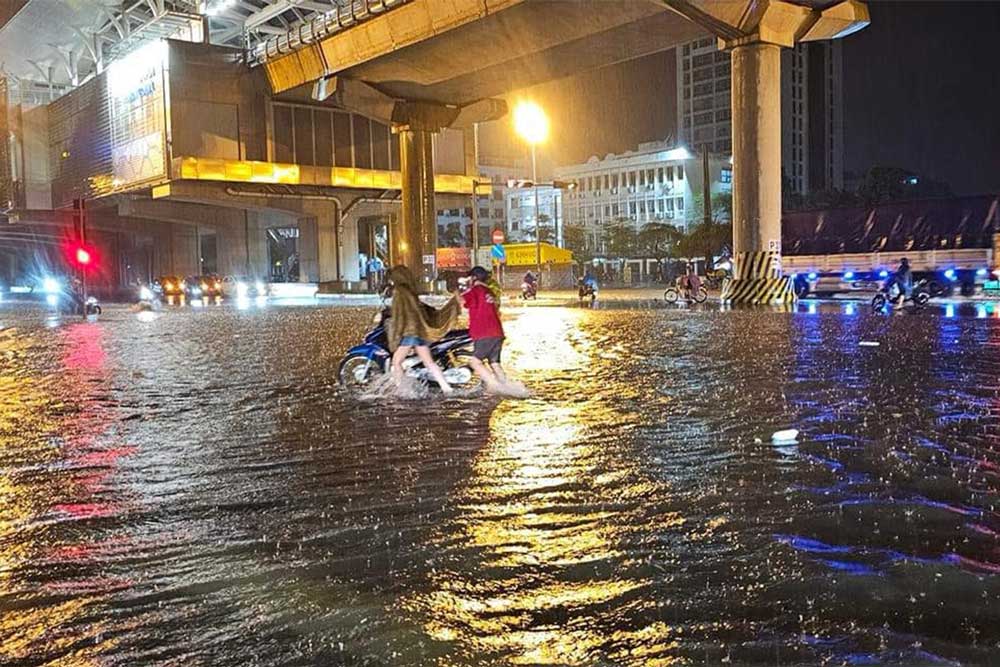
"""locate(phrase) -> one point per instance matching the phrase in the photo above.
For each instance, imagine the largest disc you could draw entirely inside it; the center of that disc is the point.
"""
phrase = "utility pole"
(706, 187)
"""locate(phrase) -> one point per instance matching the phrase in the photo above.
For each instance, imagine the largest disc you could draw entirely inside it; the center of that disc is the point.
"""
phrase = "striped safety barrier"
(757, 280)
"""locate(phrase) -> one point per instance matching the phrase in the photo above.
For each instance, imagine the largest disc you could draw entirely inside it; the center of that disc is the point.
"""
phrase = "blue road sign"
(498, 252)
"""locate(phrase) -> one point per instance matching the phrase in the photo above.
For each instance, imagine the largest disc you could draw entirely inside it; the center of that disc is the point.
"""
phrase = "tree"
(546, 232)
(575, 240)
(452, 236)
(722, 208)
(658, 240)
(706, 240)
(622, 238)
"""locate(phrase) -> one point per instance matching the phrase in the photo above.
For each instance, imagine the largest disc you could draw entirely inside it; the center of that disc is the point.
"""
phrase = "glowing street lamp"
(531, 123)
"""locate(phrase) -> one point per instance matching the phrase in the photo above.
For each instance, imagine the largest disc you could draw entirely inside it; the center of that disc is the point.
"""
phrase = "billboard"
(136, 105)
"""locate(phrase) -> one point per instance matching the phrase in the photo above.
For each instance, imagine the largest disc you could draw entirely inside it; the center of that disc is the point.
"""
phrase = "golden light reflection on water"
(36, 431)
(541, 523)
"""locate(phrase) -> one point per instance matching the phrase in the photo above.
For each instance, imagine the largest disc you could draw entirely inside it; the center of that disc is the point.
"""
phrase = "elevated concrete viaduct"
(456, 53)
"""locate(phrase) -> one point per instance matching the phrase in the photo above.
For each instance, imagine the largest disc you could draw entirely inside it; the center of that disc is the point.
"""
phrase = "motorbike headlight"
(218, 285)
(145, 294)
(241, 289)
(168, 285)
(51, 286)
(204, 286)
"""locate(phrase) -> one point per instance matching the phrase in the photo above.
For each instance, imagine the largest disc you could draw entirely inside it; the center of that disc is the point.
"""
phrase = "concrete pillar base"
(757, 280)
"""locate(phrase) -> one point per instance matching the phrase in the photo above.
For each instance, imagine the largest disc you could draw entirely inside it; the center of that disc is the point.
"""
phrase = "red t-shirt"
(484, 319)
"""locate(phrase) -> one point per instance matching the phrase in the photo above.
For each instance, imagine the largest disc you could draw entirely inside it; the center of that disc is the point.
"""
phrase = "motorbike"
(371, 359)
(586, 290)
(529, 291)
(674, 292)
(70, 301)
(891, 294)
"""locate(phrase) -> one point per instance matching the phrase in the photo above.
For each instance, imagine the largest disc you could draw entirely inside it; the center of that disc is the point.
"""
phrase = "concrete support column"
(756, 111)
(241, 246)
(413, 235)
(319, 259)
(184, 246)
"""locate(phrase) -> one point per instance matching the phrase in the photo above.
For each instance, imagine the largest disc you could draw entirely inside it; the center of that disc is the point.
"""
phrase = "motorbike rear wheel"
(700, 294)
(878, 302)
(921, 298)
(357, 372)
(670, 295)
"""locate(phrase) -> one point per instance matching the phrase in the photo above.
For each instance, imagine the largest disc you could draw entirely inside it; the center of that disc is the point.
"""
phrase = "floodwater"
(193, 488)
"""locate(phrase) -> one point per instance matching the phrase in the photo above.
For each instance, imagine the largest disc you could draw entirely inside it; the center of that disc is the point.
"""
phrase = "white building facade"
(812, 133)
(655, 183)
(521, 221)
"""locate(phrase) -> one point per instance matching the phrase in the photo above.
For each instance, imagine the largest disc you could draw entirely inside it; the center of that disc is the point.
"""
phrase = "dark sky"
(921, 91)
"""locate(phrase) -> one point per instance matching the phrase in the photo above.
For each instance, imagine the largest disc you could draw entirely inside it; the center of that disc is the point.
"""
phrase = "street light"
(533, 125)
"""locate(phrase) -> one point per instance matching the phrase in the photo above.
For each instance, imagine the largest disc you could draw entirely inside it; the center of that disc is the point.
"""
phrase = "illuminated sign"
(138, 116)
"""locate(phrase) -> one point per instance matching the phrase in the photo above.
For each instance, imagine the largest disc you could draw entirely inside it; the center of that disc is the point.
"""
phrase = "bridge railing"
(318, 27)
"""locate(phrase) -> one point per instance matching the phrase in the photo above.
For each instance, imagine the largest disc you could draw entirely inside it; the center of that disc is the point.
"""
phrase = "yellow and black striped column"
(757, 280)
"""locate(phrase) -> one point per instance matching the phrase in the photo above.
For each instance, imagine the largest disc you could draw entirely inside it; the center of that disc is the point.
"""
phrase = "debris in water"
(869, 343)
(788, 435)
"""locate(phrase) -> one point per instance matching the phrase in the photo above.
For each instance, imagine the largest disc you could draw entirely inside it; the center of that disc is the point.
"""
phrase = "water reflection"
(196, 489)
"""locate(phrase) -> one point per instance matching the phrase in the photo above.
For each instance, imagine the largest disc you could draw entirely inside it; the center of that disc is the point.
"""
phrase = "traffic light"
(81, 255)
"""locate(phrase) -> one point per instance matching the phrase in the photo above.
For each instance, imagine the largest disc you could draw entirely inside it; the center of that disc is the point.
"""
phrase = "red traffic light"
(81, 255)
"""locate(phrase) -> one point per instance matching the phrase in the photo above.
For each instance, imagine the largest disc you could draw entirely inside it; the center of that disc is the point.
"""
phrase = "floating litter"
(869, 343)
(788, 435)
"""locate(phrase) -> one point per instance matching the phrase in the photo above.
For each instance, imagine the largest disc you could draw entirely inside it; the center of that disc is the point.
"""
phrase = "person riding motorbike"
(529, 286)
(902, 278)
(689, 283)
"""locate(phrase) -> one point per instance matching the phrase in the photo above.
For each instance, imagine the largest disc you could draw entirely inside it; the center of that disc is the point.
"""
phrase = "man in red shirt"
(485, 329)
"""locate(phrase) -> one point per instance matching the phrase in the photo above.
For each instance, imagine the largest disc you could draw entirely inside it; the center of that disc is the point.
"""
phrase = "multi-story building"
(491, 200)
(521, 220)
(812, 135)
(657, 182)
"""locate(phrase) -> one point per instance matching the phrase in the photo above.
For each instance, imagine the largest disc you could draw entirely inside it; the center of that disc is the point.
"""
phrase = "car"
(169, 286)
(243, 287)
(208, 286)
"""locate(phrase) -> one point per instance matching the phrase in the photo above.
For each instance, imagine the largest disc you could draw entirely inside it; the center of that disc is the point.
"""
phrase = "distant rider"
(903, 279)
(690, 281)
(530, 279)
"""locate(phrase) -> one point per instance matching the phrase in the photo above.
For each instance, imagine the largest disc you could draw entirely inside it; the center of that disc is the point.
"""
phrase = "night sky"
(921, 91)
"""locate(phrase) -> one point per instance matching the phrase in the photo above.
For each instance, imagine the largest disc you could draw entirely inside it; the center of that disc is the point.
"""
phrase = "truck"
(952, 243)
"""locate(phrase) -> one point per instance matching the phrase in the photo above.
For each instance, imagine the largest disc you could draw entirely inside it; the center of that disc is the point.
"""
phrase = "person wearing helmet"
(485, 329)
(903, 280)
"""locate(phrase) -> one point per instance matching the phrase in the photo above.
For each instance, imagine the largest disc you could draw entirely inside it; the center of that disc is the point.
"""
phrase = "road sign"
(498, 236)
(499, 253)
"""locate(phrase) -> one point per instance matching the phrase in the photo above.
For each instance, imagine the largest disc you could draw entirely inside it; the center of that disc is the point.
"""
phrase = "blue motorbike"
(368, 361)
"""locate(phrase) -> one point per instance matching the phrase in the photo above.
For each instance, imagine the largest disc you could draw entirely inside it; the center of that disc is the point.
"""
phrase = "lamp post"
(533, 125)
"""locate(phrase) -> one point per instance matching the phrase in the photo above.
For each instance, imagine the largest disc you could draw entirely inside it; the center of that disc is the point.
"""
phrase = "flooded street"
(194, 488)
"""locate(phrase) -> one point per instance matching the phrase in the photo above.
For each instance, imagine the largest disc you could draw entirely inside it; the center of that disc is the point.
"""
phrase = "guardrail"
(318, 27)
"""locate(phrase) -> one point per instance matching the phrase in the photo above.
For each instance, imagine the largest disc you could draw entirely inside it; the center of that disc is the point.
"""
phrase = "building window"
(679, 205)
(680, 173)
(670, 173)
(726, 176)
